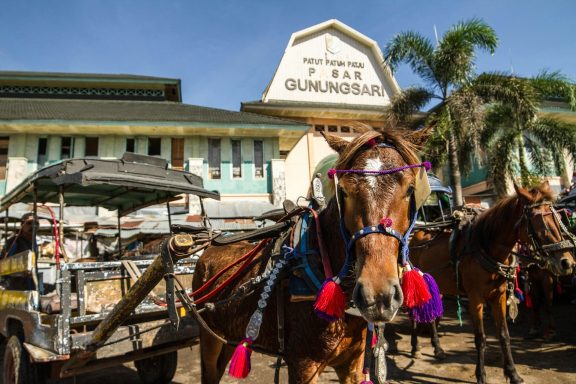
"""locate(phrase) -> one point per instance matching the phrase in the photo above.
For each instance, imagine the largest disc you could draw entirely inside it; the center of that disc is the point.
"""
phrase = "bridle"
(541, 252)
(384, 226)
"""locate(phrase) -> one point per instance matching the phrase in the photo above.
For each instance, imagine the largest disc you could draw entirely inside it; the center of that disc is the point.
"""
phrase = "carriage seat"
(277, 214)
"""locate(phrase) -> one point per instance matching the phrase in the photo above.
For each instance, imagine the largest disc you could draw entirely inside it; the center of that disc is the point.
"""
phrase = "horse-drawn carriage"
(48, 324)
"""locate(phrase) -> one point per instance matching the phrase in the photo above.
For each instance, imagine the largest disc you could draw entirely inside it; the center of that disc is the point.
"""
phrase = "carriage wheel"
(17, 368)
(158, 369)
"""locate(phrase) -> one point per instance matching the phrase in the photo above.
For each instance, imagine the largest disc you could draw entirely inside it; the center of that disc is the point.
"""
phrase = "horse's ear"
(361, 127)
(335, 142)
(545, 187)
(418, 138)
(522, 193)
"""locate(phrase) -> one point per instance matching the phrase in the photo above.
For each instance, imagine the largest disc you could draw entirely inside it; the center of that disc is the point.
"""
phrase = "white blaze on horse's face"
(373, 165)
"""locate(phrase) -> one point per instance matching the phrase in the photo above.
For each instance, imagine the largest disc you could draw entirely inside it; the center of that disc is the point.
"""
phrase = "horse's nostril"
(359, 296)
(398, 297)
(565, 263)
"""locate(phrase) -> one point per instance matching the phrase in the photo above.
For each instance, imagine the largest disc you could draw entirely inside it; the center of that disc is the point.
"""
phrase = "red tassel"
(374, 339)
(528, 301)
(559, 289)
(331, 301)
(414, 288)
(240, 363)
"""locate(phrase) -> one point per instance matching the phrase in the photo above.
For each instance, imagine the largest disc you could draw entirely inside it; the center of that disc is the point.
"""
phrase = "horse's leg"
(547, 300)
(439, 353)
(414, 339)
(351, 372)
(499, 314)
(476, 311)
(211, 359)
(304, 371)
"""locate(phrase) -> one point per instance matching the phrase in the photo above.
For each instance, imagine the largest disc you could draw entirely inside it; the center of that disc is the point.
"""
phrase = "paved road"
(537, 361)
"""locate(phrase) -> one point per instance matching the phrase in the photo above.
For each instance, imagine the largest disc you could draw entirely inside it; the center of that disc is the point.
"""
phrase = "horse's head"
(545, 231)
(373, 192)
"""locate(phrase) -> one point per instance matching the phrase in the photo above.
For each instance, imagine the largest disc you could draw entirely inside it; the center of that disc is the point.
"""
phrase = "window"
(345, 129)
(4, 141)
(130, 145)
(91, 148)
(66, 148)
(332, 128)
(214, 158)
(319, 128)
(177, 153)
(41, 156)
(236, 158)
(154, 145)
(258, 158)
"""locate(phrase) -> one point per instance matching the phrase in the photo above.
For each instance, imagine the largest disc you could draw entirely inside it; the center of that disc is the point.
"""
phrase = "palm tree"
(444, 68)
(517, 141)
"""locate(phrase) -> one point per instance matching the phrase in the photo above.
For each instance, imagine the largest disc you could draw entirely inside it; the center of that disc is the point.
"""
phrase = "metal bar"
(64, 323)
(169, 217)
(80, 282)
(149, 279)
(119, 236)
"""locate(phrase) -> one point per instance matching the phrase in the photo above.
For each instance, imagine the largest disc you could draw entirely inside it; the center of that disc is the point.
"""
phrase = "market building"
(47, 117)
(330, 77)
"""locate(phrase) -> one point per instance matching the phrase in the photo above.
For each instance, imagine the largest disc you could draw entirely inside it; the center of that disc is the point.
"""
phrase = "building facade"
(330, 77)
(48, 117)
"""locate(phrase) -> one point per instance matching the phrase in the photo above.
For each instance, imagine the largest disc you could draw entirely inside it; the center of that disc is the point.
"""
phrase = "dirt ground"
(537, 361)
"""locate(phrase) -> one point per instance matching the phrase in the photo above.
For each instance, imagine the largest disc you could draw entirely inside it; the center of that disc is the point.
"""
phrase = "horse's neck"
(497, 229)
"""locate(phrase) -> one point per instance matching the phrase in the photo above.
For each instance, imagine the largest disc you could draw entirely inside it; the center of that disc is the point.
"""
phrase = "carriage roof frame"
(126, 184)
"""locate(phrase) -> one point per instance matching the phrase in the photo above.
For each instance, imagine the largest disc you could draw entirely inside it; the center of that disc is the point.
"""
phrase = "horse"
(540, 283)
(374, 179)
(479, 262)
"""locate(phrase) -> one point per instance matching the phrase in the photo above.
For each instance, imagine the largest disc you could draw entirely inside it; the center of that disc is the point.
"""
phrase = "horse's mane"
(497, 217)
(393, 138)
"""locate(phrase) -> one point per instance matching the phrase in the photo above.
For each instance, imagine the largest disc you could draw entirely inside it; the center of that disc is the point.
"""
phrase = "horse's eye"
(410, 191)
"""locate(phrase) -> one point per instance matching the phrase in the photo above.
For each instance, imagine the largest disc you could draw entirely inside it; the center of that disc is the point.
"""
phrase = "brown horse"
(482, 257)
(306, 342)
(541, 281)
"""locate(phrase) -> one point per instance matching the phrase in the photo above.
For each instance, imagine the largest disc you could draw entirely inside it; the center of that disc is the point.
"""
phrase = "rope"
(333, 171)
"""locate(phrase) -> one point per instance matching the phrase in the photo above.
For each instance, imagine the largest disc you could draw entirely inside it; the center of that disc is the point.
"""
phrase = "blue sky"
(226, 51)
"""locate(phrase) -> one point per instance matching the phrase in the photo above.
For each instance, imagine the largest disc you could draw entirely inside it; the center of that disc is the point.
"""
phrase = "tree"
(518, 142)
(444, 68)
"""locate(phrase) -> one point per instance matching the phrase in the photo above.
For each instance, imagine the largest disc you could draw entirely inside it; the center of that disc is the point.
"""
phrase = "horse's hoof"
(549, 335)
(516, 380)
(533, 333)
(439, 354)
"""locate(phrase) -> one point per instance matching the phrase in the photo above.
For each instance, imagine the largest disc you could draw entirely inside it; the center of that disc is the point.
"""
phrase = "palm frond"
(554, 85)
(411, 48)
(408, 102)
(455, 55)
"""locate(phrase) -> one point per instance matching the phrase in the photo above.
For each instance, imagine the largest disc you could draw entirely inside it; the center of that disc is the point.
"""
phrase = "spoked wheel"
(158, 369)
(17, 366)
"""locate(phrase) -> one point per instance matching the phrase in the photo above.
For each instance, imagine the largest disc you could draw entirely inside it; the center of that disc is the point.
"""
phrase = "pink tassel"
(331, 301)
(240, 363)
(374, 339)
(414, 288)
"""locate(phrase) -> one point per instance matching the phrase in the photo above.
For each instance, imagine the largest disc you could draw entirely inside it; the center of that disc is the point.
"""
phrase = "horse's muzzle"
(378, 306)
(566, 266)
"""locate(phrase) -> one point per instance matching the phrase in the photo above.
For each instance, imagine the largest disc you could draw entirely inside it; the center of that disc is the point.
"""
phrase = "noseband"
(384, 227)
(542, 251)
